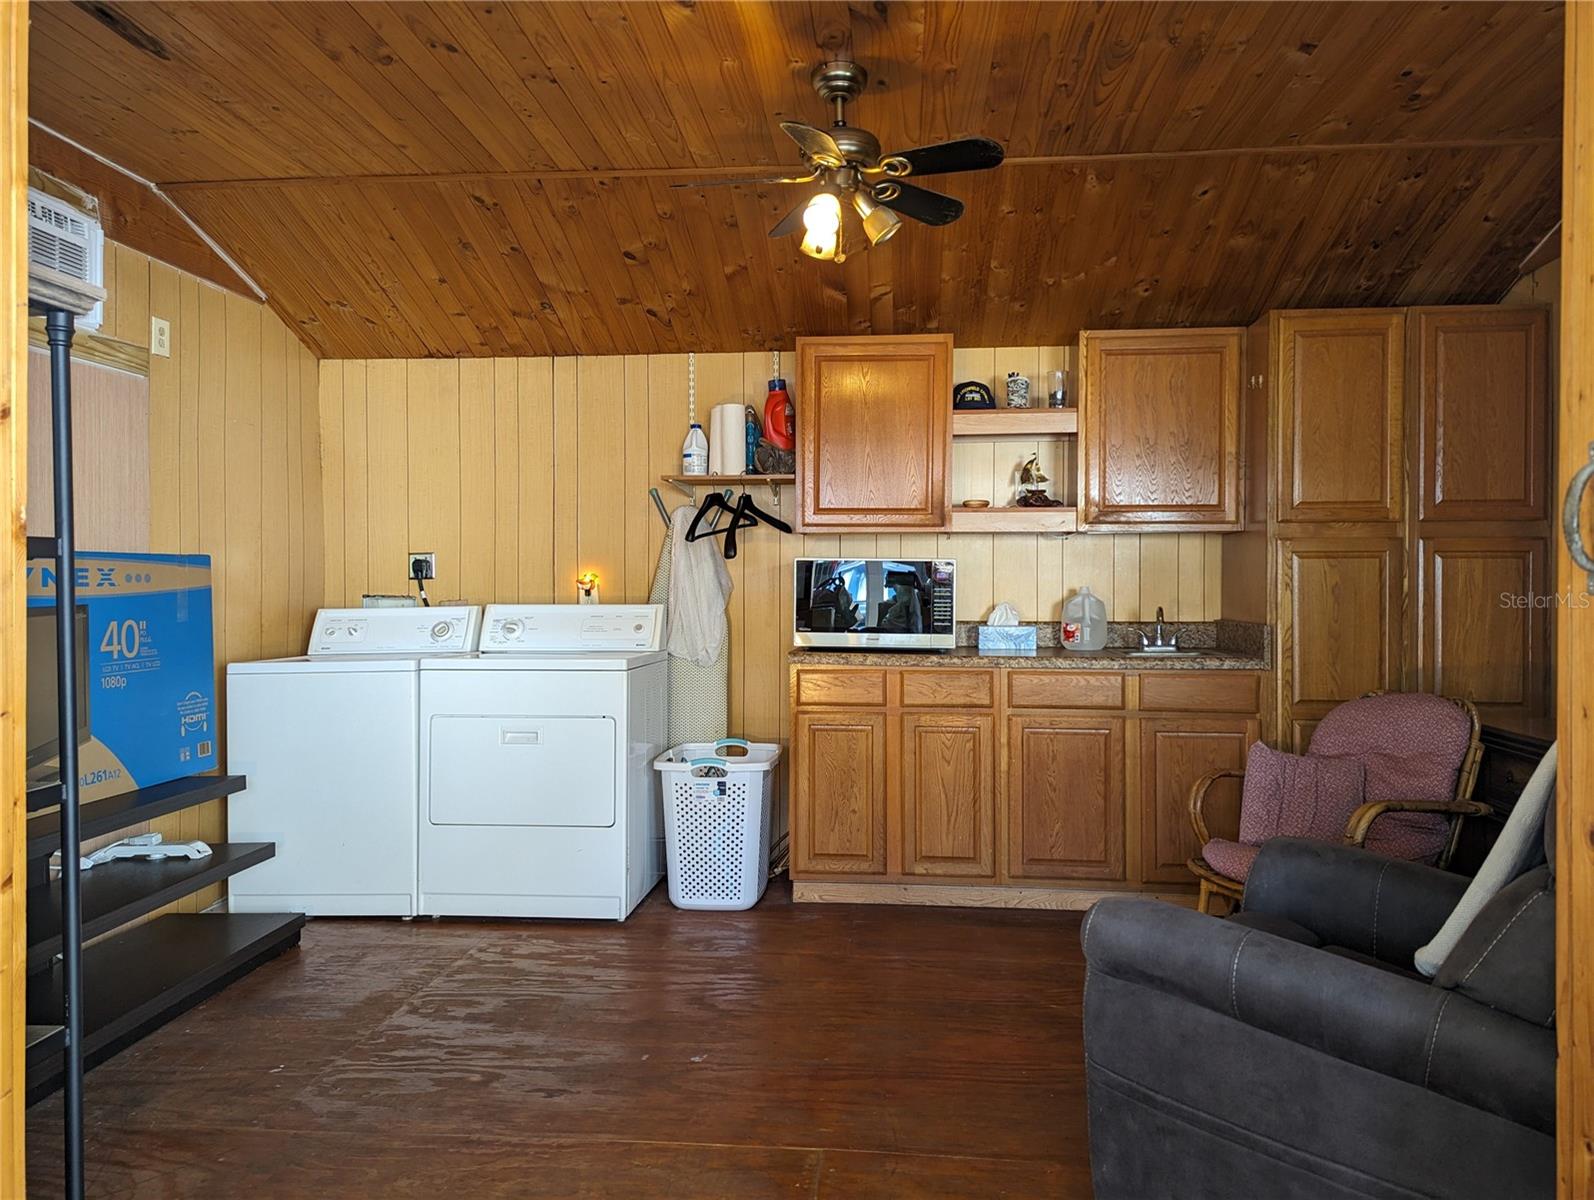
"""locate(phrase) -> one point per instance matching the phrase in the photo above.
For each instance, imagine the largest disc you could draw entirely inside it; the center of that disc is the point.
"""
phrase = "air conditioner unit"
(69, 241)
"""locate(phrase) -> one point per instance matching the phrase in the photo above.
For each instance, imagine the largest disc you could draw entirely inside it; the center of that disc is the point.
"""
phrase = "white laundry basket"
(716, 821)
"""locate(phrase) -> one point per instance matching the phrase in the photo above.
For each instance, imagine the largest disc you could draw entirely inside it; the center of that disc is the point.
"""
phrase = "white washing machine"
(330, 744)
(538, 794)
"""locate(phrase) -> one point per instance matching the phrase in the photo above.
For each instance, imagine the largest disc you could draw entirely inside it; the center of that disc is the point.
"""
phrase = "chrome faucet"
(1160, 643)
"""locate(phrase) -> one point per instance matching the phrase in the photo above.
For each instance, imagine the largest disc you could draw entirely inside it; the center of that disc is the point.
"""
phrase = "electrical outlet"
(160, 337)
(428, 561)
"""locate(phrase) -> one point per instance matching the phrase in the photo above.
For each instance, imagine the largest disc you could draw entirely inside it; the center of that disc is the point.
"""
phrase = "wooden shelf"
(111, 813)
(1014, 520)
(115, 893)
(1015, 422)
(44, 1042)
(726, 480)
(137, 981)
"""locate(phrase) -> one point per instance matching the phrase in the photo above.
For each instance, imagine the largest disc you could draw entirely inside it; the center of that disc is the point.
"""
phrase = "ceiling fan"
(851, 172)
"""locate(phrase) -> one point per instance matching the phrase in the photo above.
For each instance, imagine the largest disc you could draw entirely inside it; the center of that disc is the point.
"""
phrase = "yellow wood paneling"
(13, 589)
(234, 459)
(526, 472)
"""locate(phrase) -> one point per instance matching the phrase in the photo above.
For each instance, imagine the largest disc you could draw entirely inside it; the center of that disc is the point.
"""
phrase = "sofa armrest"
(1351, 897)
(1389, 1023)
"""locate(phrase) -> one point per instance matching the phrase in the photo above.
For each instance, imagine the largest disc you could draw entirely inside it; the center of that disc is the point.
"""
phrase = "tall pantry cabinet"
(1397, 508)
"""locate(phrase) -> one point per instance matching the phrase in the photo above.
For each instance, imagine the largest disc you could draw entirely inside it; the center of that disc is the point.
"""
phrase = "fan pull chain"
(691, 387)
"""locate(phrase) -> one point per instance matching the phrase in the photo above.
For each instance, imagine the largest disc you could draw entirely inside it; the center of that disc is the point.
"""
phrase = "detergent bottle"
(779, 416)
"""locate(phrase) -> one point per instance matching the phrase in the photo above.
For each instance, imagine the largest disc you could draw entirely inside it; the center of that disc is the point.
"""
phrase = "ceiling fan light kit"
(846, 163)
(822, 226)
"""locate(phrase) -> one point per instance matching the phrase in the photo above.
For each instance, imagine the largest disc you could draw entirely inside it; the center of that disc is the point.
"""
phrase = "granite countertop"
(1053, 658)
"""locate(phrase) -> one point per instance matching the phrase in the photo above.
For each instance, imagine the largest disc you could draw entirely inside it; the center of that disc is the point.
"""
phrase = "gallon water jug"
(1084, 621)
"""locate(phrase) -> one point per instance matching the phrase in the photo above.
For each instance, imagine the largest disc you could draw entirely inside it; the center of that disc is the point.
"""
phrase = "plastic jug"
(694, 452)
(1084, 621)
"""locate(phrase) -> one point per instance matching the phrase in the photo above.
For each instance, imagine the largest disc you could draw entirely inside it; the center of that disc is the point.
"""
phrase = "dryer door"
(522, 771)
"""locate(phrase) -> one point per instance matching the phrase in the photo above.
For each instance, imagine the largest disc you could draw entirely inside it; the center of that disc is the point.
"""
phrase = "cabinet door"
(1174, 753)
(1483, 628)
(1065, 797)
(1159, 429)
(1339, 401)
(1340, 625)
(948, 794)
(874, 429)
(838, 812)
(1483, 422)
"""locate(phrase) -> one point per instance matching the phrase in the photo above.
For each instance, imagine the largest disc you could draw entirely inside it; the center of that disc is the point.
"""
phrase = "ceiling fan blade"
(744, 180)
(817, 145)
(943, 158)
(919, 203)
(790, 223)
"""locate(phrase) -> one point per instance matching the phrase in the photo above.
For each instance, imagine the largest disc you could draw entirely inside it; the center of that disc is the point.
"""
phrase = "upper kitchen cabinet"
(1483, 428)
(1337, 392)
(1159, 430)
(874, 431)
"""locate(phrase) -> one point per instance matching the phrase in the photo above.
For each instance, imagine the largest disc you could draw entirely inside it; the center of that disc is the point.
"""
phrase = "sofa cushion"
(1233, 859)
(1412, 745)
(1506, 958)
(1293, 795)
(1519, 846)
(1278, 926)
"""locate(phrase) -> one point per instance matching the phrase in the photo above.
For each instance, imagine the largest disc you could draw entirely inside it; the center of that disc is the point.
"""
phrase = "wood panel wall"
(520, 473)
(234, 467)
(1574, 910)
(13, 588)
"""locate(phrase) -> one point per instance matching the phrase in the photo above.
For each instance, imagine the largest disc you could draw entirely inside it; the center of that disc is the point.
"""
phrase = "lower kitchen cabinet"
(1065, 810)
(1174, 753)
(949, 794)
(839, 793)
(1010, 786)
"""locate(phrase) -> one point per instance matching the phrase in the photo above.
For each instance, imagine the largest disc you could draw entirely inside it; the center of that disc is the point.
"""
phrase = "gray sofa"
(1292, 1051)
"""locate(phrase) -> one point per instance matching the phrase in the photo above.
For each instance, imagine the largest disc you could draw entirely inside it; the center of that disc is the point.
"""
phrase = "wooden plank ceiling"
(493, 178)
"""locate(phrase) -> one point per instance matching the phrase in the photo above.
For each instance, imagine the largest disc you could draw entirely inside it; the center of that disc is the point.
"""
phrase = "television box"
(145, 671)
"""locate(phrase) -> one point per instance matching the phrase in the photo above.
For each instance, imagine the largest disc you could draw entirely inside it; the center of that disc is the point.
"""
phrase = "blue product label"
(147, 682)
(150, 678)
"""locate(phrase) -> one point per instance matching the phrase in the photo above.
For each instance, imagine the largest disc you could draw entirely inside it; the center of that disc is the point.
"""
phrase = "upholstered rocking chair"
(1416, 756)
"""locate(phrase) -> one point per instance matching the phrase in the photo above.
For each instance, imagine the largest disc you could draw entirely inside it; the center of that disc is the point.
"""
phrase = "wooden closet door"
(1339, 404)
(1340, 625)
(1159, 429)
(874, 431)
(949, 794)
(1483, 621)
(1483, 413)
(1065, 797)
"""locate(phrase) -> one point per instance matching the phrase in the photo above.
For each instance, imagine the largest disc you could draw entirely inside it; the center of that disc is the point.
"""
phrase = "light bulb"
(879, 222)
(822, 222)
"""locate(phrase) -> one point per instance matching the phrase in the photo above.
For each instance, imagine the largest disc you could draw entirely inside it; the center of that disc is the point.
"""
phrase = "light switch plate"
(160, 337)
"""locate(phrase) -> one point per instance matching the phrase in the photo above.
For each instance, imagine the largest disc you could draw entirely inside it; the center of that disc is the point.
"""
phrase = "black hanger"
(713, 502)
(744, 515)
(746, 503)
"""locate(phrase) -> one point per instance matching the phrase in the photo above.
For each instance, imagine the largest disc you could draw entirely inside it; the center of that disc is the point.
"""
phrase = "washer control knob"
(511, 630)
(441, 630)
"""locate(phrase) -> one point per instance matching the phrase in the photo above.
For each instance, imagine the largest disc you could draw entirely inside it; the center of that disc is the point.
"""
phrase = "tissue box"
(1007, 639)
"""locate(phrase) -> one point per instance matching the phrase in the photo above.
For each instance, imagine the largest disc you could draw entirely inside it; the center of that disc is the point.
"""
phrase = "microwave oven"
(874, 603)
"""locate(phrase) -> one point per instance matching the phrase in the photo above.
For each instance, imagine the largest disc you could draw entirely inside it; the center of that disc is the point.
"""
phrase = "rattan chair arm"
(1198, 800)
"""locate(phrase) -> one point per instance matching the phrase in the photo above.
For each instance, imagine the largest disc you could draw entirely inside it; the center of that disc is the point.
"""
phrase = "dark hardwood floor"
(790, 1051)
